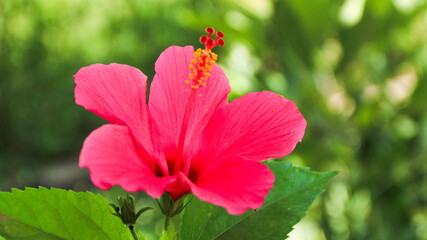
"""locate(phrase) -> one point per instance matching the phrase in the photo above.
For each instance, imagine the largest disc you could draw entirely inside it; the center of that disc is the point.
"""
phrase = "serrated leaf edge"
(266, 206)
(323, 180)
(29, 189)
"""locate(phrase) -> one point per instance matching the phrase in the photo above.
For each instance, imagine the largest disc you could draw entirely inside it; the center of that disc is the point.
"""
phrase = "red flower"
(188, 138)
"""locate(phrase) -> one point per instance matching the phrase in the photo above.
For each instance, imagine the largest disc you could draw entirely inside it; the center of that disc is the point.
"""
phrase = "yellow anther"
(201, 68)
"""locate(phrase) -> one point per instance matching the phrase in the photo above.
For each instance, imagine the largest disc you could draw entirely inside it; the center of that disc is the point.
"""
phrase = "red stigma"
(211, 43)
(221, 42)
(203, 39)
(210, 30)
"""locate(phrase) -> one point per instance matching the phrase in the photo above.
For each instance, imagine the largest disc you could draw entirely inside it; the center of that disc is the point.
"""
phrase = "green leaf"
(169, 235)
(294, 191)
(58, 214)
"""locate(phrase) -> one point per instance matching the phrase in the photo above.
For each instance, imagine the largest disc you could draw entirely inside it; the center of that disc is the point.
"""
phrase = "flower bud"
(169, 206)
(126, 210)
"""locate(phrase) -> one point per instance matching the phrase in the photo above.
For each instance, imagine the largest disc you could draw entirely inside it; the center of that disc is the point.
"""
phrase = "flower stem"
(132, 230)
(167, 220)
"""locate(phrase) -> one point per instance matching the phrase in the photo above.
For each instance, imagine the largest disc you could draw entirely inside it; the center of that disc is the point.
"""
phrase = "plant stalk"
(167, 220)
(132, 230)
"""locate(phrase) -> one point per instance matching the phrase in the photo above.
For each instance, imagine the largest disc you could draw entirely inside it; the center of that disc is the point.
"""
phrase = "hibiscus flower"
(188, 138)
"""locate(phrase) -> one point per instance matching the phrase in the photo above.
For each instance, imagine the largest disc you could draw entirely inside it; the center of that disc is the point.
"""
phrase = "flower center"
(201, 67)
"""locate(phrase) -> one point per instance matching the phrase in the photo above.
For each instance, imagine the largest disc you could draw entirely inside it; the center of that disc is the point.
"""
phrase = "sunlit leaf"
(169, 235)
(57, 214)
(294, 191)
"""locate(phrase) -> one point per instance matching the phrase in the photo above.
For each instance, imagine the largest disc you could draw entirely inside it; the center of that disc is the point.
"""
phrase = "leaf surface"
(294, 191)
(53, 214)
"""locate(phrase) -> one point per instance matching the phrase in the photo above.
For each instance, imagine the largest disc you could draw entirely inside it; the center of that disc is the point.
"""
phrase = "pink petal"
(117, 93)
(169, 96)
(114, 92)
(113, 158)
(257, 126)
(235, 184)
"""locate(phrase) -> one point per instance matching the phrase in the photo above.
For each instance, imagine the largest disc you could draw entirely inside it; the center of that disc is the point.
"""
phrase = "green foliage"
(356, 70)
(58, 214)
(293, 192)
(168, 235)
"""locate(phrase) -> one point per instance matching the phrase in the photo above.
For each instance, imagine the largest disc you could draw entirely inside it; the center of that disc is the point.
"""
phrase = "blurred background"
(355, 68)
